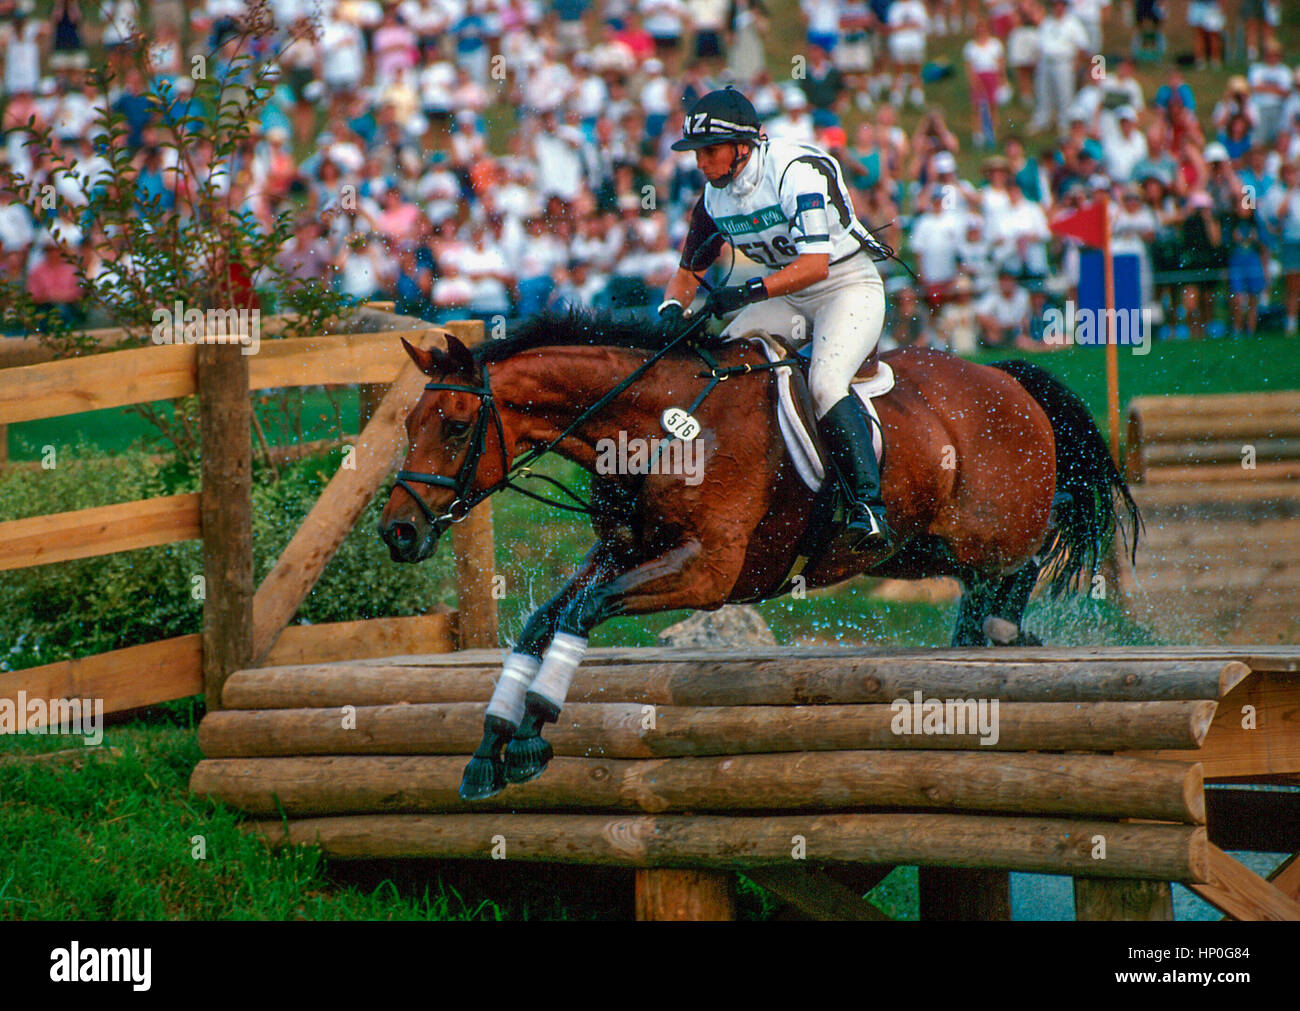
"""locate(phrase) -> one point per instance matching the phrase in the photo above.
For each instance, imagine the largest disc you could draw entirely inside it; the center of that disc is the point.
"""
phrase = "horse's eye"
(456, 429)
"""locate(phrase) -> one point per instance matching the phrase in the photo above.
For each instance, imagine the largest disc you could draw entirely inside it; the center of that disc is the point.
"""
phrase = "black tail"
(1086, 510)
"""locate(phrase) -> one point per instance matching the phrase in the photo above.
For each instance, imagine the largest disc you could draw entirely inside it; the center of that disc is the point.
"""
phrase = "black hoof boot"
(485, 774)
(527, 754)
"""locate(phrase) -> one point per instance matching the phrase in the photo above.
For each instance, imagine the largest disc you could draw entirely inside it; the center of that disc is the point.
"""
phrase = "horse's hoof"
(483, 778)
(526, 758)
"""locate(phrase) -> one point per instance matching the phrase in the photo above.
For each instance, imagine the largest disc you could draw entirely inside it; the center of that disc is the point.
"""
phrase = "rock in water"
(732, 625)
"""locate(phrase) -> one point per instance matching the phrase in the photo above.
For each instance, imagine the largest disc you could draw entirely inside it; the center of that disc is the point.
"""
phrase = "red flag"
(1088, 225)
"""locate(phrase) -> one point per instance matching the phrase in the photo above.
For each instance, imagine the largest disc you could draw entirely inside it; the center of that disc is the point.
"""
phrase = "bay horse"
(992, 474)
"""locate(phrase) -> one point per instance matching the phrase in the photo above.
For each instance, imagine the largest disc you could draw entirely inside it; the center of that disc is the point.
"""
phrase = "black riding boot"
(848, 440)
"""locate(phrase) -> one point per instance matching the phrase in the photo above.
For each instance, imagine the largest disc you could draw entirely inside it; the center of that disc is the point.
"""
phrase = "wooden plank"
(87, 533)
(1226, 473)
(1270, 747)
(1076, 785)
(685, 895)
(226, 503)
(1116, 899)
(165, 372)
(1035, 845)
(1276, 421)
(331, 359)
(955, 894)
(124, 678)
(1286, 878)
(474, 547)
(625, 730)
(1209, 404)
(748, 677)
(1241, 894)
(334, 514)
(71, 386)
(1220, 451)
(815, 893)
(372, 637)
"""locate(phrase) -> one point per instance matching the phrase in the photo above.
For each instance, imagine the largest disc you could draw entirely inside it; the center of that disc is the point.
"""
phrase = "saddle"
(796, 413)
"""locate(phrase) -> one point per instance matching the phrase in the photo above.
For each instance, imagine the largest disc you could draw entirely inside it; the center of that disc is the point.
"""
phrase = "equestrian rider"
(785, 205)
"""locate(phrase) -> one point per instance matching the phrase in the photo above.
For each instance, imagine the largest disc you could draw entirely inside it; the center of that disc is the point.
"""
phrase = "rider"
(786, 206)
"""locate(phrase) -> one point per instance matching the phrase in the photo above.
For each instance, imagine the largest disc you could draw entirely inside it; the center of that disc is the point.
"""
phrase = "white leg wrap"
(517, 674)
(558, 667)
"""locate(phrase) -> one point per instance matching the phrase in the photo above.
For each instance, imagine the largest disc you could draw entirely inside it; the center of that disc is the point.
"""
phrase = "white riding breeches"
(843, 315)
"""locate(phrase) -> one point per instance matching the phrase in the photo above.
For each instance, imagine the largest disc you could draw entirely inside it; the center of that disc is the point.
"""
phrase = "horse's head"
(455, 460)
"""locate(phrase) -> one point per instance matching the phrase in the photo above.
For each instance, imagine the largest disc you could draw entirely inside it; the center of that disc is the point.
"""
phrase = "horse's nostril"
(404, 533)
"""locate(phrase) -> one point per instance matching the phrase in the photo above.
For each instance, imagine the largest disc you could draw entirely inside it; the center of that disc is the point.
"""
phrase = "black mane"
(582, 327)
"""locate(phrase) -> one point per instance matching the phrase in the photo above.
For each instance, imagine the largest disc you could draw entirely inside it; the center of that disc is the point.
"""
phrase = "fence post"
(474, 547)
(226, 514)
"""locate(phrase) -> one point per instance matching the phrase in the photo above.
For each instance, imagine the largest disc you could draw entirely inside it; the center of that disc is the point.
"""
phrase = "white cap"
(1214, 151)
(943, 163)
(1126, 112)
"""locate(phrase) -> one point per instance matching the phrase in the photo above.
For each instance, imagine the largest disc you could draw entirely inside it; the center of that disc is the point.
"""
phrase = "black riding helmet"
(720, 117)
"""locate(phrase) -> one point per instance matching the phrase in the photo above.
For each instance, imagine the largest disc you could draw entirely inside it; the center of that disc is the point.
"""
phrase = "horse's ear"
(429, 361)
(461, 359)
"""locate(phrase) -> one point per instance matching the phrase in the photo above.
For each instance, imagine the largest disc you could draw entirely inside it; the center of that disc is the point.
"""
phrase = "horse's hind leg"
(978, 597)
(1012, 598)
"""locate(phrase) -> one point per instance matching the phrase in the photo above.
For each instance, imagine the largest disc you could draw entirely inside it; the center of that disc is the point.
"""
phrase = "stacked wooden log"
(1215, 477)
(726, 759)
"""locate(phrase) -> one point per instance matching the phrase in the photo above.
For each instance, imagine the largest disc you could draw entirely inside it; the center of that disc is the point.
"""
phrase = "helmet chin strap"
(736, 159)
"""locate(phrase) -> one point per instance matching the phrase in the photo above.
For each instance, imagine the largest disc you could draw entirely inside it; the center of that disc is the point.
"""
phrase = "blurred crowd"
(492, 157)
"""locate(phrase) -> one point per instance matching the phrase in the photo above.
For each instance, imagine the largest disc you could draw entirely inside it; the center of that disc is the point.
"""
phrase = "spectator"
(908, 322)
(986, 74)
(1282, 213)
(1258, 19)
(936, 236)
(1205, 18)
(1127, 148)
(664, 20)
(1022, 51)
(823, 84)
(1091, 14)
(1061, 40)
(1019, 235)
(1202, 257)
(746, 58)
(1246, 277)
(1270, 84)
(1133, 228)
(823, 20)
(959, 322)
(22, 51)
(908, 26)
(1003, 315)
(69, 52)
(52, 281)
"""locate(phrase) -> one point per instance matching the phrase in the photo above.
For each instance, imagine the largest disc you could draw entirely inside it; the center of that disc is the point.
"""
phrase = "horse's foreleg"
(678, 578)
(486, 773)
